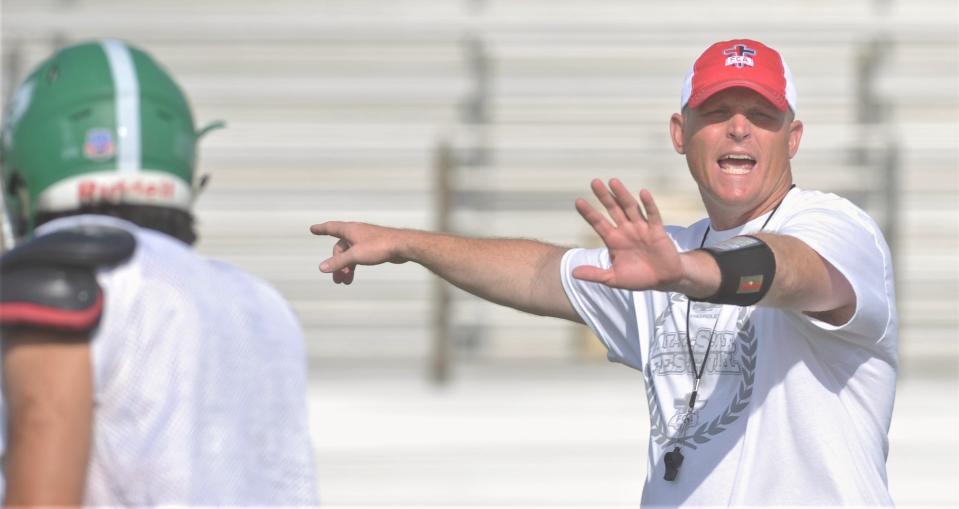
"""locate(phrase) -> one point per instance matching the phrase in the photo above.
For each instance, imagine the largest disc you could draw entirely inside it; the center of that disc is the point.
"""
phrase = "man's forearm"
(522, 274)
(803, 280)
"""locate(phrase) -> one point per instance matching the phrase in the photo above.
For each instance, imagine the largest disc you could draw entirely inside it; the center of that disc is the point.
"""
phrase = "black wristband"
(747, 267)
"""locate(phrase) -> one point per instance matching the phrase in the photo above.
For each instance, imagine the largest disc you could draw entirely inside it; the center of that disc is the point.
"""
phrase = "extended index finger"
(334, 228)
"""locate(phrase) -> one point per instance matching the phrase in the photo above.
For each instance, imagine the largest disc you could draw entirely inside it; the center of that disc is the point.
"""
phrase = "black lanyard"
(674, 458)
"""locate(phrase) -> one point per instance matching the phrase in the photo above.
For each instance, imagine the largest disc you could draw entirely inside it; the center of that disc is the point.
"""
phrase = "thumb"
(337, 262)
(593, 274)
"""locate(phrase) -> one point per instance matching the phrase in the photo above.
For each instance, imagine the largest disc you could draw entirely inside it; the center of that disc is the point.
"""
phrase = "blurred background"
(487, 117)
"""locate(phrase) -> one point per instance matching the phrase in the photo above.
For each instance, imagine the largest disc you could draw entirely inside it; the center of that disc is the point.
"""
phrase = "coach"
(766, 332)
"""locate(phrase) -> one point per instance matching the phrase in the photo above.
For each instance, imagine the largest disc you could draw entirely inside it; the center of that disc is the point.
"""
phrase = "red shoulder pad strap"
(49, 297)
(50, 282)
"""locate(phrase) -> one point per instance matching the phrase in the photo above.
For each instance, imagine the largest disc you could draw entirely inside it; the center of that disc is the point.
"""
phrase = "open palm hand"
(642, 255)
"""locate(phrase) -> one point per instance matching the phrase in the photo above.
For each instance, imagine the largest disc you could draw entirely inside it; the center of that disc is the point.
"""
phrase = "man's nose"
(738, 127)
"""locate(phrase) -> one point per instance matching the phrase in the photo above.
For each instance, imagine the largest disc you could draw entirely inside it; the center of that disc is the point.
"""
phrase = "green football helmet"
(98, 122)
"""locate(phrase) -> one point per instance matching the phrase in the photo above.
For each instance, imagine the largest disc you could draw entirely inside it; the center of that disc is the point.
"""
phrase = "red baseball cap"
(740, 63)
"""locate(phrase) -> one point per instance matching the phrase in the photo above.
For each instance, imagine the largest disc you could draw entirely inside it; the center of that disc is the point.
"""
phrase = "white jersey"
(791, 410)
(199, 383)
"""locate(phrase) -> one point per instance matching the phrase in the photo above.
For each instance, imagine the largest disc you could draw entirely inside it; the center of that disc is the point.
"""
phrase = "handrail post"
(475, 109)
(440, 362)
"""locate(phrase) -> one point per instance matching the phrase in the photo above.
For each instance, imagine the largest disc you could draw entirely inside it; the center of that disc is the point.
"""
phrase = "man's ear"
(676, 132)
(795, 136)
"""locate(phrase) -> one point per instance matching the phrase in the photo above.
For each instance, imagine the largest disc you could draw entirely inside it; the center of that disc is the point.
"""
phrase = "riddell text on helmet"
(92, 191)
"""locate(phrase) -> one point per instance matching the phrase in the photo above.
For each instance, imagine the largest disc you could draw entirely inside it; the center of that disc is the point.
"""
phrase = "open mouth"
(736, 164)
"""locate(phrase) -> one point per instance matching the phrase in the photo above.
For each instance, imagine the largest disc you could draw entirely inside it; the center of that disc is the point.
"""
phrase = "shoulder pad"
(49, 281)
(82, 246)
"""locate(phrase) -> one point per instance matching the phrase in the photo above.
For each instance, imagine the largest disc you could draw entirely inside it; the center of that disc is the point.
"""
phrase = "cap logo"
(739, 55)
(99, 145)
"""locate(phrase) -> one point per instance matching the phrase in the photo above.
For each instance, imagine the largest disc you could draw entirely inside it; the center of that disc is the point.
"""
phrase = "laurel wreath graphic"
(703, 434)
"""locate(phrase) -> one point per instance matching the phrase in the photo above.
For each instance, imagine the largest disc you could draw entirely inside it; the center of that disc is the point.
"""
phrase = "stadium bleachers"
(335, 109)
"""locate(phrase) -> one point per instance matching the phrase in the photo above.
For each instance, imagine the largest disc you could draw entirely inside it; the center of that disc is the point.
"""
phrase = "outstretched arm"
(522, 274)
(643, 257)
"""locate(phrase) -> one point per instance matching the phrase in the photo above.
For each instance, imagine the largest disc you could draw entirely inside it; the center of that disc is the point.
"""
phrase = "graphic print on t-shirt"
(733, 354)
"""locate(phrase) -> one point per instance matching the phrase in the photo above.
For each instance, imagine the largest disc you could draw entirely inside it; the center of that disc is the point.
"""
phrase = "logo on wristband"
(750, 284)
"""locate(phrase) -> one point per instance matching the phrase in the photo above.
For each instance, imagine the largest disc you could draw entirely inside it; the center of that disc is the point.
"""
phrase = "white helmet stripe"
(127, 97)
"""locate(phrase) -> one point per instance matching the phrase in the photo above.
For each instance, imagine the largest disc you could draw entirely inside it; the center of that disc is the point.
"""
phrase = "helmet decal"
(21, 101)
(18, 106)
(99, 144)
(144, 187)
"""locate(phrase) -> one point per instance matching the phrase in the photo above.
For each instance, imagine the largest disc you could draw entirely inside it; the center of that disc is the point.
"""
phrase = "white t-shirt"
(199, 383)
(791, 410)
